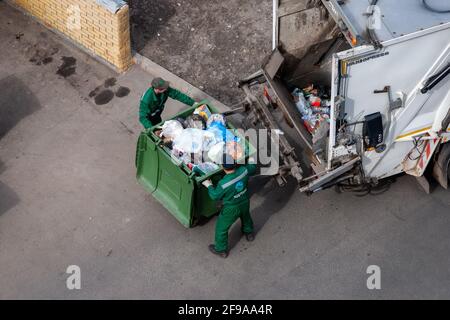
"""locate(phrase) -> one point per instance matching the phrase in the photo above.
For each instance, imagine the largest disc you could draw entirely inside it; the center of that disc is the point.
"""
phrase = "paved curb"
(155, 69)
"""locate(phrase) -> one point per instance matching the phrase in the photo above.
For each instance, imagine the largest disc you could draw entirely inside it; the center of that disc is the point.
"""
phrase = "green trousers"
(227, 217)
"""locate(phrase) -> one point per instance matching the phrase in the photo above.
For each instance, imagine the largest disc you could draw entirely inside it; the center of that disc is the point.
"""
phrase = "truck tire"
(441, 169)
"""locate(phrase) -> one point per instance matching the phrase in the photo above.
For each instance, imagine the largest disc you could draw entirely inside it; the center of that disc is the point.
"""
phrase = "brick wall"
(101, 28)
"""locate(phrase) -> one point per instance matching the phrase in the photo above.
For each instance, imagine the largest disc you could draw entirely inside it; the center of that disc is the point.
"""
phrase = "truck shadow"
(275, 199)
(17, 101)
(8, 198)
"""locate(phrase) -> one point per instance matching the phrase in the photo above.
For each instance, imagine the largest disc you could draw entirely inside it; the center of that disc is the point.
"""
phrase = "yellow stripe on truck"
(413, 133)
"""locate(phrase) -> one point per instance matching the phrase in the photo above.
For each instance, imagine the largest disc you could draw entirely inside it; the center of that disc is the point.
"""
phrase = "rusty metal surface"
(307, 34)
(290, 166)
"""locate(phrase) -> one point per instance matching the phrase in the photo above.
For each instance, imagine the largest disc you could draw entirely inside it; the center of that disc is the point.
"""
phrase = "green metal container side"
(164, 179)
(171, 182)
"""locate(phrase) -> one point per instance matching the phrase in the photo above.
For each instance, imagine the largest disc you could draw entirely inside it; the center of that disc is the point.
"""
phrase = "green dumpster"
(171, 182)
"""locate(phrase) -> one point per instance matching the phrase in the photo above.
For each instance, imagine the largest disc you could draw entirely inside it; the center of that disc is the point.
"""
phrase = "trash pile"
(200, 140)
(314, 106)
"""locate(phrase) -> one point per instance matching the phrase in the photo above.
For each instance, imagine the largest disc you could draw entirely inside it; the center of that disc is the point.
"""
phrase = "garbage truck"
(382, 68)
(386, 67)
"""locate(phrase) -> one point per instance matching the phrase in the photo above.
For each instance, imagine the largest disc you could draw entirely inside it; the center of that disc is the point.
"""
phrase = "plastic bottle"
(302, 104)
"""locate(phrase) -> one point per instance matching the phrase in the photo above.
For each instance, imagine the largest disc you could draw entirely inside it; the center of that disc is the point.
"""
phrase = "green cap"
(159, 83)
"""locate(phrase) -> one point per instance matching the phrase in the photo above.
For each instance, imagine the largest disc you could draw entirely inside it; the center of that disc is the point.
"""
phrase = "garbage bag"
(301, 103)
(203, 111)
(196, 121)
(319, 105)
(221, 133)
(193, 140)
(215, 154)
(314, 101)
(182, 121)
(171, 129)
(216, 117)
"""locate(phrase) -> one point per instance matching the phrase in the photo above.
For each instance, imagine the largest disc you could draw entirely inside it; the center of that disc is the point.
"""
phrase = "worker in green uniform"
(232, 190)
(153, 101)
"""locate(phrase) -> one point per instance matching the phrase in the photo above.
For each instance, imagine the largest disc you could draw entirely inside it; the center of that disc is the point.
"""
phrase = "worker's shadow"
(274, 200)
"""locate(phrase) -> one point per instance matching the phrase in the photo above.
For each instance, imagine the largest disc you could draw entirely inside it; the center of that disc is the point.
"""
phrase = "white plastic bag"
(171, 129)
(193, 140)
(215, 154)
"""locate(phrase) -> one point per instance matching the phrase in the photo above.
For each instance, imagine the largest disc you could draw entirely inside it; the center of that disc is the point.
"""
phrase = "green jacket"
(232, 189)
(152, 103)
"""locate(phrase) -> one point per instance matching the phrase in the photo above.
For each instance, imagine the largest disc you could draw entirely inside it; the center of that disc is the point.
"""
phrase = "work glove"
(196, 104)
(207, 183)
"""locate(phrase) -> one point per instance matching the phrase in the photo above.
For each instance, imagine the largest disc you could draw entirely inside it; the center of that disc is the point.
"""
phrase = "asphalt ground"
(68, 196)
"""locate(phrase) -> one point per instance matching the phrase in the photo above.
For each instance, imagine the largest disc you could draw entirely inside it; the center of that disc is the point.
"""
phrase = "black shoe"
(250, 236)
(222, 254)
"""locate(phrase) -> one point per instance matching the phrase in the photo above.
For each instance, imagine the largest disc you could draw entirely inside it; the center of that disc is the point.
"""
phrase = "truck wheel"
(441, 169)
(448, 170)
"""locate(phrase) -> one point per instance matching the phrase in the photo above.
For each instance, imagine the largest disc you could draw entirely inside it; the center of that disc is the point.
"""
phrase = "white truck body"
(385, 68)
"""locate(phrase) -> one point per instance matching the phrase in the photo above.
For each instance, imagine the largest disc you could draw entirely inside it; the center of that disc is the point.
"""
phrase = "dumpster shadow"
(8, 198)
(275, 199)
(17, 101)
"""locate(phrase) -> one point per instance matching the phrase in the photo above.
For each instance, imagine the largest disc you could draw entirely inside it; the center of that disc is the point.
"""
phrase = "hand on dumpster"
(207, 183)
(196, 104)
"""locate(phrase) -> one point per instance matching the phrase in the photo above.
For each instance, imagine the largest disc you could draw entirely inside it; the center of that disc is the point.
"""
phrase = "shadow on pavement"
(16, 102)
(275, 199)
(8, 198)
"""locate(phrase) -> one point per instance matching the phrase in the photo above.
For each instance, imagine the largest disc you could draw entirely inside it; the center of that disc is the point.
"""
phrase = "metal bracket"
(317, 184)
(393, 104)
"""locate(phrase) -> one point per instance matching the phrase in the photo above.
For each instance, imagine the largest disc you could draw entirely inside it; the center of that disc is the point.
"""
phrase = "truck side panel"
(403, 64)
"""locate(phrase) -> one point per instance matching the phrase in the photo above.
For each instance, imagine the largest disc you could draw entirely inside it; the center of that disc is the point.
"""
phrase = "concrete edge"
(182, 85)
